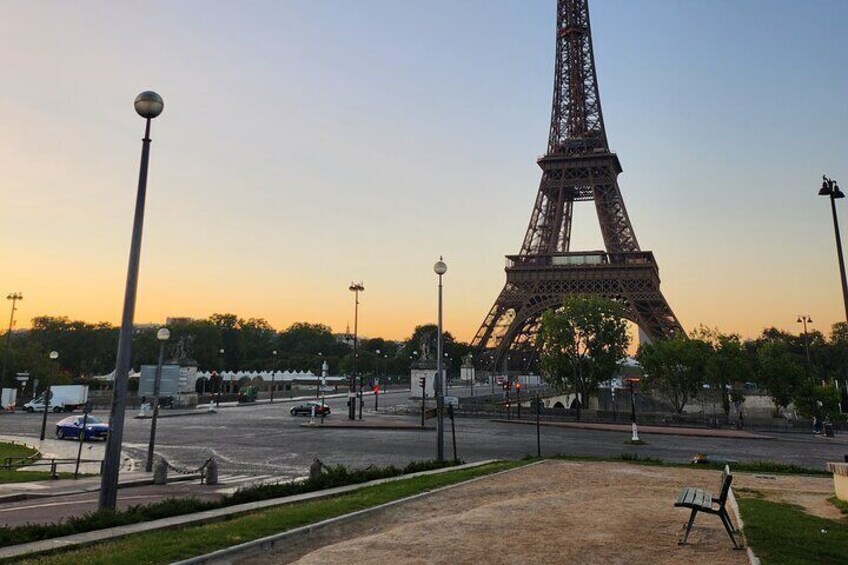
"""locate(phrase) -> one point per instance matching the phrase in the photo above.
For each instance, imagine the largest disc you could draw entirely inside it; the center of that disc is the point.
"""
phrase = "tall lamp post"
(148, 105)
(318, 379)
(355, 288)
(440, 268)
(831, 189)
(54, 356)
(804, 319)
(220, 376)
(273, 375)
(14, 297)
(163, 335)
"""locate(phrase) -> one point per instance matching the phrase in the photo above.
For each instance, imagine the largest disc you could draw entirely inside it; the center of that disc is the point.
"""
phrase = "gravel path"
(556, 512)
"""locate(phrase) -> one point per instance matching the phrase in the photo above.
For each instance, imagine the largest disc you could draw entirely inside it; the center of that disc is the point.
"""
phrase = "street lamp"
(318, 379)
(148, 105)
(440, 268)
(355, 288)
(831, 189)
(54, 355)
(220, 376)
(14, 297)
(804, 319)
(273, 375)
(163, 335)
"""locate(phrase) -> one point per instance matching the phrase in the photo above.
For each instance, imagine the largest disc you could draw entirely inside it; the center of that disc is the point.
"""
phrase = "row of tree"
(582, 343)
(86, 350)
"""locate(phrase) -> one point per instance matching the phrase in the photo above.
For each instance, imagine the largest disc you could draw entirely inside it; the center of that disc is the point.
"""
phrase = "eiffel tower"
(578, 166)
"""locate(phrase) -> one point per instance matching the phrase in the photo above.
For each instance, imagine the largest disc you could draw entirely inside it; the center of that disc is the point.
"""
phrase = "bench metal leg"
(689, 526)
(728, 525)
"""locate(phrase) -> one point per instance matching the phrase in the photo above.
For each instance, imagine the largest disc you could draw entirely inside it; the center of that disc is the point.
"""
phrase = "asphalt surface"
(264, 439)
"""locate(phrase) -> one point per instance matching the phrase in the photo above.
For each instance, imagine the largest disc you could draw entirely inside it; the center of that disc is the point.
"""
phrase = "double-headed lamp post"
(355, 288)
(163, 335)
(440, 269)
(831, 189)
(148, 105)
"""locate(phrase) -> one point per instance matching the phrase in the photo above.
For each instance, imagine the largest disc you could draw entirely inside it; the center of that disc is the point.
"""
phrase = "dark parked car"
(71, 427)
(306, 409)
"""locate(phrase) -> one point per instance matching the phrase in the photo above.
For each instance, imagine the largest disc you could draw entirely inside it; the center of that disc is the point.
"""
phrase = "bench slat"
(693, 497)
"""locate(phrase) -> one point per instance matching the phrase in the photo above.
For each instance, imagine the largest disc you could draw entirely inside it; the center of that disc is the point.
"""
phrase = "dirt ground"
(554, 512)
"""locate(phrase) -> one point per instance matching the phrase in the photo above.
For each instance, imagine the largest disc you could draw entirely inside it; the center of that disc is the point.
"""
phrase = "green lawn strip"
(770, 467)
(783, 534)
(12, 476)
(16, 451)
(172, 545)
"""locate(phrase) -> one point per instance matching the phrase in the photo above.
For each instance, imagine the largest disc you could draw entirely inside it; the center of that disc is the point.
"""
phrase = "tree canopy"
(582, 343)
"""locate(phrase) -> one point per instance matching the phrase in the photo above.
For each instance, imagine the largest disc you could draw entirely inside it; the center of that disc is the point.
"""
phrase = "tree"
(779, 372)
(727, 362)
(675, 367)
(581, 344)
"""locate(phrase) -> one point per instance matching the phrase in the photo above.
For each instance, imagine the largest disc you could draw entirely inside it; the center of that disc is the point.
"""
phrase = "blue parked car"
(71, 427)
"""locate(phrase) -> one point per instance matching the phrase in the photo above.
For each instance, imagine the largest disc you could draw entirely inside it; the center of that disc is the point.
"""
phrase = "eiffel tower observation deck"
(578, 166)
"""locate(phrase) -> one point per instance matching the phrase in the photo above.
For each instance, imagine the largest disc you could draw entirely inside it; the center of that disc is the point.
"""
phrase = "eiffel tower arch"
(578, 166)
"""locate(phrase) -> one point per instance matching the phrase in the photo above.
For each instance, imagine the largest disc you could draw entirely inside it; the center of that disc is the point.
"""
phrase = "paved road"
(264, 439)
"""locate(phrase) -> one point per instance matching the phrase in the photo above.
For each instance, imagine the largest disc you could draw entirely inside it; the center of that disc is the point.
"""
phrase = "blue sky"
(308, 143)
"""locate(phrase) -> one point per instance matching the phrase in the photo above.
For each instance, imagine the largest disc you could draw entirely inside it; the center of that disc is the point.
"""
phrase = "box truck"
(64, 398)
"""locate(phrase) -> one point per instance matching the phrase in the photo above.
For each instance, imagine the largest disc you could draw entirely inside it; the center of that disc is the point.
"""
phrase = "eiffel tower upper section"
(578, 166)
(577, 137)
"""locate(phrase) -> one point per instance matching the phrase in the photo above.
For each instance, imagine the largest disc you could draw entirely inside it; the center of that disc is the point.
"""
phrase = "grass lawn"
(12, 476)
(15, 450)
(783, 534)
(20, 452)
(172, 545)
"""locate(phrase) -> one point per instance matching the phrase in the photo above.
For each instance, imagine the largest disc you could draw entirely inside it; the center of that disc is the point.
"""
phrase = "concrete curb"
(734, 506)
(269, 542)
(94, 488)
(199, 518)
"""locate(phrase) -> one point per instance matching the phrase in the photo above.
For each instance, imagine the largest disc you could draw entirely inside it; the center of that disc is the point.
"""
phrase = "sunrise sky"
(307, 143)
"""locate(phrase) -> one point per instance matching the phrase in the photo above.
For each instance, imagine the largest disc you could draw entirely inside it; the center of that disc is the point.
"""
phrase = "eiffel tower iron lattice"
(578, 166)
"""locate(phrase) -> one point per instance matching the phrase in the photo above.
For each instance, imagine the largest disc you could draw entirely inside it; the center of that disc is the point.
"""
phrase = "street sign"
(452, 401)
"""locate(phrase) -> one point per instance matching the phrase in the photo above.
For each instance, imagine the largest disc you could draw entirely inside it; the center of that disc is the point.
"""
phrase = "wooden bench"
(702, 501)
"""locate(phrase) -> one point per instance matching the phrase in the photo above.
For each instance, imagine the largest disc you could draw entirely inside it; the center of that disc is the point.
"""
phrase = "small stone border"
(199, 518)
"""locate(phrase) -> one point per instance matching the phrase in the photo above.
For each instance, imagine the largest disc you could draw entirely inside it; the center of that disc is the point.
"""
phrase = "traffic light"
(422, 382)
(517, 387)
(506, 386)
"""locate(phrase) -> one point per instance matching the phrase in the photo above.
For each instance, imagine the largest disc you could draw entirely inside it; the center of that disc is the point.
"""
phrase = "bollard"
(212, 472)
(160, 472)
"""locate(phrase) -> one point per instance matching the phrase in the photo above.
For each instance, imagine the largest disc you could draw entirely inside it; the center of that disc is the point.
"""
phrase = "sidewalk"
(658, 430)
